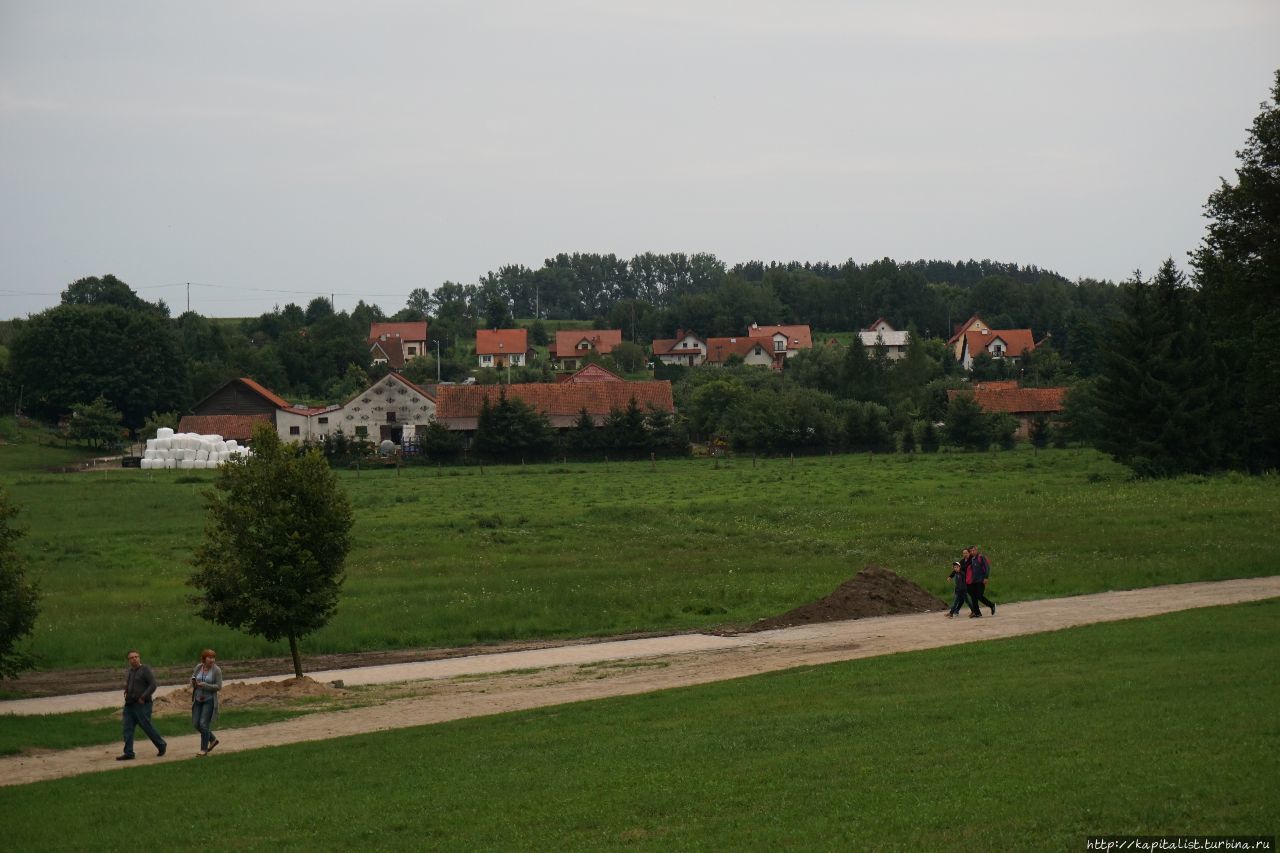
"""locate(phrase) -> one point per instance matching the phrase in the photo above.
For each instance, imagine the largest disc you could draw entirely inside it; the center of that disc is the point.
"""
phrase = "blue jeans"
(139, 715)
(202, 718)
(958, 601)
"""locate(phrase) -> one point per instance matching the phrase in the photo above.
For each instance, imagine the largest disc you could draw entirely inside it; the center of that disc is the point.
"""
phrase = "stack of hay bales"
(189, 450)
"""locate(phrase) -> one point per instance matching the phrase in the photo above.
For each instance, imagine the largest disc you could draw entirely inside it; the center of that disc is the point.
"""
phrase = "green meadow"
(1158, 726)
(458, 556)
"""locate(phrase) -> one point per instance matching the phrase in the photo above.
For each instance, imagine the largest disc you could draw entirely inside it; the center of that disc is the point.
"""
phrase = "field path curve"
(492, 684)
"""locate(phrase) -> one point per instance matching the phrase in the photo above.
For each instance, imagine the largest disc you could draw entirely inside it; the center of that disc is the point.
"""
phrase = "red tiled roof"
(273, 397)
(501, 341)
(719, 349)
(667, 346)
(798, 337)
(601, 340)
(878, 321)
(414, 331)
(593, 373)
(391, 348)
(1015, 400)
(239, 427)
(598, 398)
(1016, 341)
(963, 327)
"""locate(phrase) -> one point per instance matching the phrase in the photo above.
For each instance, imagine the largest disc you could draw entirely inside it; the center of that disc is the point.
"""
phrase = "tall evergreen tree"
(1155, 396)
(1238, 270)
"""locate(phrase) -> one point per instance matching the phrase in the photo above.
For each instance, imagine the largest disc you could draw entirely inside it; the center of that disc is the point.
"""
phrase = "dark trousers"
(978, 593)
(958, 601)
(139, 715)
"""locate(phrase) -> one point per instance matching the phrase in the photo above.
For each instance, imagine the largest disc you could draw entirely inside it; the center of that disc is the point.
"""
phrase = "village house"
(753, 351)
(393, 344)
(570, 348)
(391, 409)
(786, 340)
(234, 409)
(503, 347)
(1025, 404)
(974, 337)
(458, 406)
(686, 349)
(880, 333)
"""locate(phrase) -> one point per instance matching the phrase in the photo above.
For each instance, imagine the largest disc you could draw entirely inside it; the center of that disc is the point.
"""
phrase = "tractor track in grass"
(480, 685)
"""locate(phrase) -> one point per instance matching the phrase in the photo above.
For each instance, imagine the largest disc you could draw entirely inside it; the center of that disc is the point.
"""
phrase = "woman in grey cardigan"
(206, 681)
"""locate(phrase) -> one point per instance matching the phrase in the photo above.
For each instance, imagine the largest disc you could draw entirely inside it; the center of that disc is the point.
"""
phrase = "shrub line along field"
(1164, 725)
(453, 557)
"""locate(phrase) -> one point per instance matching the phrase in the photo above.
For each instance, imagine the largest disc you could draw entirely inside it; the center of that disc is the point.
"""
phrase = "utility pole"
(437, 342)
(188, 297)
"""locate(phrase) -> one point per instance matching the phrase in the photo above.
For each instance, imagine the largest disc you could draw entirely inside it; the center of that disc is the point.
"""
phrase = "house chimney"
(679, 334)
(755, 325)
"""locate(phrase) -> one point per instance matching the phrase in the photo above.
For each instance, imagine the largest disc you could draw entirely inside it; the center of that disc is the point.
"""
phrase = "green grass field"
(447, 557)
(25, 448)
(1157, 726)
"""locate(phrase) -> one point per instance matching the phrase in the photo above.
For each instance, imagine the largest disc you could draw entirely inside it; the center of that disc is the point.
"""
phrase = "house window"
(323, 420)
(362, 432)
(413, 350)
(997, 350)
(779, 346)
(486, 360)
(391, 417)
(293, 430)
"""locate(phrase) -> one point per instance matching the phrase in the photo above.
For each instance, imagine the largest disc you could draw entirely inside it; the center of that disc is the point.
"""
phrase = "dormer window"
(779, 346)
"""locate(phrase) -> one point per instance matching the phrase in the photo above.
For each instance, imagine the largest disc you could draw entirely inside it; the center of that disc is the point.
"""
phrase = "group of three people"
(140, 687)
(969, 576)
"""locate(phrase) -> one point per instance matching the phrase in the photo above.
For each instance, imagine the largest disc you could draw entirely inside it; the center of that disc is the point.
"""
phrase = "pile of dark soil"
(874, 591)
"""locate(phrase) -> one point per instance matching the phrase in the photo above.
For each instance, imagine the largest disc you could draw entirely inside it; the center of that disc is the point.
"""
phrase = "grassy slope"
(26, 449)
(455, 557)
(1164, 725)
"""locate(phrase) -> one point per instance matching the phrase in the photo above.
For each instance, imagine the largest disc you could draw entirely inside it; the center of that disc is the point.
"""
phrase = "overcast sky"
(283, 150)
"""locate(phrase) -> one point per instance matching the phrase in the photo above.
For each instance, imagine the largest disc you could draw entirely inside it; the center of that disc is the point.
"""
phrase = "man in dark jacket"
(977, 570)
(139, 686)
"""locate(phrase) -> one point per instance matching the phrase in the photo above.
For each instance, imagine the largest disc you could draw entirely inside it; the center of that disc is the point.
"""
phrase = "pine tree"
(1154, 396)
(966, 424)
(1238, 271)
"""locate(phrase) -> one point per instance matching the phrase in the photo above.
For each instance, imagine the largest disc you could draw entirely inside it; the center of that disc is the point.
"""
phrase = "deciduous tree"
(275, 544)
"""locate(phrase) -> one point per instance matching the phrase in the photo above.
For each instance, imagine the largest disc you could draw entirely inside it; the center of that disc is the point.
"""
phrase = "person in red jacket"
(977, 570)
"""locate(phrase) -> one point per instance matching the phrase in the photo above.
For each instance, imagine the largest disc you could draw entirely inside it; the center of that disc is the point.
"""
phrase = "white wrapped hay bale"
(171, 462)
(164, 432)
(202, 455)
(186, 464)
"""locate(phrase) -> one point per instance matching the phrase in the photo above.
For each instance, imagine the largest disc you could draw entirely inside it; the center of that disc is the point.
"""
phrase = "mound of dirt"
(874, 591)
(243, 695)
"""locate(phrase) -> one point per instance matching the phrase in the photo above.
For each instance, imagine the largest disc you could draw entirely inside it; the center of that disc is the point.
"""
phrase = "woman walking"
(206, 681)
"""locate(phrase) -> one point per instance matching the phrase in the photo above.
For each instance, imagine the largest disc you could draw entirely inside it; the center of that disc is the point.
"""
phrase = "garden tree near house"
(513, 429)
(583, 436)
(1003, 426)
(1039, 431)
(96, 423)
(1156, 395)
(967, 425)
(279, 530)
(19, 595)
(1238, 270)
(665, 434)
(438, 443)
(624, 429)
(630, 357)
(157, 421)
(538, 335)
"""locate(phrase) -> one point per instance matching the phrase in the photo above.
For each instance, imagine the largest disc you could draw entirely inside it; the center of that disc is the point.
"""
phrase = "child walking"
(961, 590)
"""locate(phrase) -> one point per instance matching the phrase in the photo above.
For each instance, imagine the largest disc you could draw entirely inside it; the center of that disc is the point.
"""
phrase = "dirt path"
(492, 684)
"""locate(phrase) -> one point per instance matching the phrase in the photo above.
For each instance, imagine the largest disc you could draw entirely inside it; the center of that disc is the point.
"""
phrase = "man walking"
(979, 569)
(139, 685)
